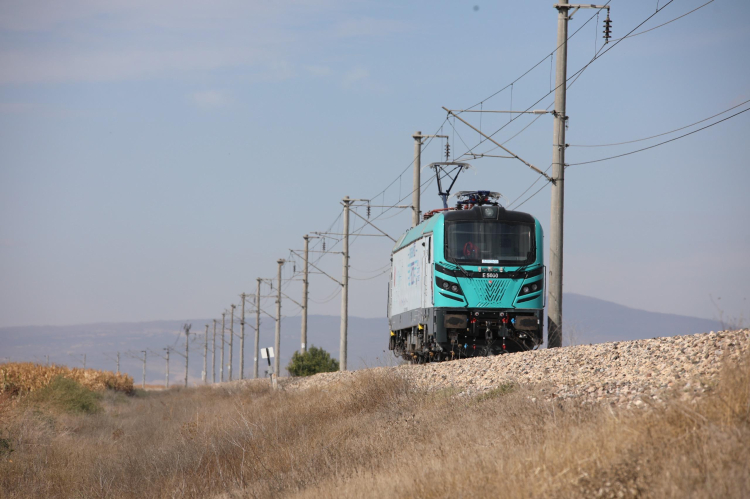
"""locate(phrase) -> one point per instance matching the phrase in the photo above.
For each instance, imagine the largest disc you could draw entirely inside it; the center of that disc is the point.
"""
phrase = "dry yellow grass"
(378, 437)
(25, 377)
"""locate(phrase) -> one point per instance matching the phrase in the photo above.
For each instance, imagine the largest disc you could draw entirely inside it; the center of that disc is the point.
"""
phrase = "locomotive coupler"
(503, 331)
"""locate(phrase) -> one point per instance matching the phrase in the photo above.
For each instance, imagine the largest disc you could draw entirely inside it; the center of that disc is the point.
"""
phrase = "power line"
(663, 24)
(537, 192)
(369, 271)
(661, 134)
(660, 143)
(510, 205)
(633, 152)
(535, 65)
(575, 75)
(617, 42)
(471, 107)
(369, 278)
(574, 78)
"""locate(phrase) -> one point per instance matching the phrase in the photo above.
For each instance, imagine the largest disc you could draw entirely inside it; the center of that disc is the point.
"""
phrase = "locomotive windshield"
(489, 242)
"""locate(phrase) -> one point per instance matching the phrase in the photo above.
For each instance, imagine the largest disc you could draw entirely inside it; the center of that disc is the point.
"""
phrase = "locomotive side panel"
(408, 276)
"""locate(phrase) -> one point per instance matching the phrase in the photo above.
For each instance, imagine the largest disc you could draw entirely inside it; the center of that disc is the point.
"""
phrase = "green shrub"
(68, 395)
(315, 360)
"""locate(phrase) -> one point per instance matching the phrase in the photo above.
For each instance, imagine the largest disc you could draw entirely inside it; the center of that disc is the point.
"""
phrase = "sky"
(157, 157)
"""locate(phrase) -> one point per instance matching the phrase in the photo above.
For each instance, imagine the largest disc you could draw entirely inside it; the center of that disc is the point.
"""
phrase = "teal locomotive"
(467, 281)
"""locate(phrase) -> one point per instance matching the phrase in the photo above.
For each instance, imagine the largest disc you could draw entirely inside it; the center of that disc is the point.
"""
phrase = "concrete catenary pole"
(344, 289)
(84, 362)
(277, 337)
(143, 383)
(242, 339)
(231, 342)
(118, 362)
(213, 357)
(166, 376)
(554, 303)
(303, 340)
(205, 357)
(415, 213)
(187, 345)
(256, 342)
(223, 328)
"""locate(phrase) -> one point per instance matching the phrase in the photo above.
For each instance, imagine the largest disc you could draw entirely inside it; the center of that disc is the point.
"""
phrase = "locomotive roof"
(457, 215)
(476, 214)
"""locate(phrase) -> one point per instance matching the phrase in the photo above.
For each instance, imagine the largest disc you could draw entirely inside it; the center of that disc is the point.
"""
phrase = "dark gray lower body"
(447, 333)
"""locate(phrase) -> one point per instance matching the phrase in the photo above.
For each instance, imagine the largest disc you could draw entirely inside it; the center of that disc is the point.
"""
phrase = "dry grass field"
(23, 377)
(375, 436)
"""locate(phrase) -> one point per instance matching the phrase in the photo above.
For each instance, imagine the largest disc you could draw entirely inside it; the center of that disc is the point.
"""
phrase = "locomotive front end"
(482, 286)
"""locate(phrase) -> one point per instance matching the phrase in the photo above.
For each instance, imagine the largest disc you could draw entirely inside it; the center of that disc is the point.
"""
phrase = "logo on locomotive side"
(413, 273)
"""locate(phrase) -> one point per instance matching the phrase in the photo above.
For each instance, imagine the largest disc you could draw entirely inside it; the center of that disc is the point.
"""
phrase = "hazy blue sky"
(157, 157)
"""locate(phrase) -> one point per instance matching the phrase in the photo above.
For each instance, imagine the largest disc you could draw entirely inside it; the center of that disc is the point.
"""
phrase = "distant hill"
(591, 320)
(587, 320)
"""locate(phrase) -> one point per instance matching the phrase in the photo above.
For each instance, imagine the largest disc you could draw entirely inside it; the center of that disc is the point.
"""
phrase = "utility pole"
(344, 283)
(118, 362)
(115, 358)
(231, 342)
(305, 282)
(555, 291)
(242, 339)
(344, 290)
(186, 327)
(554, 306)
(417, 180)
(166, 381)
(213, 357)
(76, 357)
(205, 358)
(223, 327)
(417, 183)
(256, 343)
(143, 384)
(277, 339)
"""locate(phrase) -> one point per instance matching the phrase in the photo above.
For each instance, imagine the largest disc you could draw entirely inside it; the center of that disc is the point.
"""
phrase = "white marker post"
(267, 353)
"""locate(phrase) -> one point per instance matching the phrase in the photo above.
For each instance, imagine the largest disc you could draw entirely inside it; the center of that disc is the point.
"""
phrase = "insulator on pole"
(447, 151)
(368, 211)
(324, 244)
(607, 29)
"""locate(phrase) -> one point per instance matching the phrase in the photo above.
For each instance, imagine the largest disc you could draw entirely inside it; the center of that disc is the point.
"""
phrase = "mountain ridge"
(587, 320)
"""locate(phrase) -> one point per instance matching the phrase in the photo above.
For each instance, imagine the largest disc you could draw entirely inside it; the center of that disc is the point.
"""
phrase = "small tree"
(315, 360)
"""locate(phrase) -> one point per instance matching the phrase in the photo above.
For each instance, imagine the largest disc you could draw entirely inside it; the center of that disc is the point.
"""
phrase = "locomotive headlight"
(489, 212)
(530, 288)
(452, 287)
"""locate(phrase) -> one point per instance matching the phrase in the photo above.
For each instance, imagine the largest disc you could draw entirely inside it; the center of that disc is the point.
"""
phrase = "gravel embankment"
(623, 372)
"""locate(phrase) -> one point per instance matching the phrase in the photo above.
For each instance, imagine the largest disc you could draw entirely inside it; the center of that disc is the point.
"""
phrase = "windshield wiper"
(462, 269)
